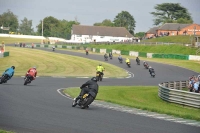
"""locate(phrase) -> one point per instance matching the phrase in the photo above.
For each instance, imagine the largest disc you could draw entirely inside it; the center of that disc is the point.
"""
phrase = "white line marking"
(181, 121)
(141, 113)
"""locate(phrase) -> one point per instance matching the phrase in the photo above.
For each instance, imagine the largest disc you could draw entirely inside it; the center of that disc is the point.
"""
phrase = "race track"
(39, 108)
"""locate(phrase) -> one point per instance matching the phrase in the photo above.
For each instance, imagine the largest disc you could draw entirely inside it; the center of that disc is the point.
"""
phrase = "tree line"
(164, 13)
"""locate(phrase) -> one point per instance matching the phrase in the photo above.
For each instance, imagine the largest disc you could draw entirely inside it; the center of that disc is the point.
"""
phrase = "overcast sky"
(89, 12)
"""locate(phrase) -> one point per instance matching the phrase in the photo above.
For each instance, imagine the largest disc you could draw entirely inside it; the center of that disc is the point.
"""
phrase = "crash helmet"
(34, 67)
(13, 67)
(100, 64)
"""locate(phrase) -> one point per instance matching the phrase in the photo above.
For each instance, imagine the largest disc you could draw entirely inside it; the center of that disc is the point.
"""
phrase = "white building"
(82, 33)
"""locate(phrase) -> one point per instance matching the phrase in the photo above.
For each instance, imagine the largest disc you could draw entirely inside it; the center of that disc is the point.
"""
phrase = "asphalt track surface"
(39, 108)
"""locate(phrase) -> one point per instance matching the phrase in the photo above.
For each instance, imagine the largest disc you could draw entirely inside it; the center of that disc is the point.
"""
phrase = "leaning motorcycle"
(99, 76)
(120, 60)
(28, 79)
(106, 58)
(153, 74)
(138, 62)
(4, 78)
(146, 66)
(85, 101)
(128, 64)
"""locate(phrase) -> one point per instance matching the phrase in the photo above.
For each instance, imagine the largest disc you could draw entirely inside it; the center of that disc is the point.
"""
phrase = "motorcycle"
(4, 78)
(128, 64)
(53, 48)
(87, 53)
(146, 66)
(99, 76)
(153, 74)
(120, 60)
(85, 101)
(110, 57)
(138, 62)
(28, 79)
(106, 58)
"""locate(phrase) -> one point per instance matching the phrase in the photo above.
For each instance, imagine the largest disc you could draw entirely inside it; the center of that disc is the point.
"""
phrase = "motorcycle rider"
(145, 63)
(127, 61)
(120, 58)
(9, 71)
(32, 72)
(105, 56)
(151, 70)
(100, 69)
(53, 48)
(110, 54)
(137, 59)
(86, 50)
(90, 85)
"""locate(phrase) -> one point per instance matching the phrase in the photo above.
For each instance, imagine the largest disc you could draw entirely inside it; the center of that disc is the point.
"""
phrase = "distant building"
(81, 33)
(173, 29)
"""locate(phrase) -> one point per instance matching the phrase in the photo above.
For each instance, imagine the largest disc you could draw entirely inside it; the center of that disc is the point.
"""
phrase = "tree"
(125, 19)
(26, 27)
(8, 19)
(140, 34)
(50, 26)
(106, 22)
(170, 13)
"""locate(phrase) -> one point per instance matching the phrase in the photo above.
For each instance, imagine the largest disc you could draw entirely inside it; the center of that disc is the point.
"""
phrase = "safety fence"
(172, 92)
(124, 52)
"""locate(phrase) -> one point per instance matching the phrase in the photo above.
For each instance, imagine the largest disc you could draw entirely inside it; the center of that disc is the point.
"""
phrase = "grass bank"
(11, 40)
(168, 49)
(175, 39)
(54, 64)
(141, 97)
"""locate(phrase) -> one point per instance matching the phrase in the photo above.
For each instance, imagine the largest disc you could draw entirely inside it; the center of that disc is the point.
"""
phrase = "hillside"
(176, 39)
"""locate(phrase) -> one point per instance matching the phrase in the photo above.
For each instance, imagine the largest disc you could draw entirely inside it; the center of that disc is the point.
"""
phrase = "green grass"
(141, 97)
(176, 39)
(3, 131)
(168, 49)
(54, 64)
(11, 40)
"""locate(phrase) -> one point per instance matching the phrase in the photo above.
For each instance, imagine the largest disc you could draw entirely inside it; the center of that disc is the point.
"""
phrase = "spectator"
(196, 85)
(191, 83)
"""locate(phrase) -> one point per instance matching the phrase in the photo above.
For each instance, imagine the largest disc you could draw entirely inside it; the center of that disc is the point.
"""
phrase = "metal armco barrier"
(171, 92)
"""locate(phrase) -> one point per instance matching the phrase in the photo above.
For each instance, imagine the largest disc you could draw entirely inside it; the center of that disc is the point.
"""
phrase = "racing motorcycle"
(53, 48)
(4, 78)
(138, 62)
(106, 58)
(120, 60)
(99, 76)
(146, 66)
(153, 74)
(28, 79)
(128, 64)
(85, 101)
(110, 57)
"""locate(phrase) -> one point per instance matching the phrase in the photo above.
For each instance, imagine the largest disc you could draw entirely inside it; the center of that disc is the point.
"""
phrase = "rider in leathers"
(90, 85)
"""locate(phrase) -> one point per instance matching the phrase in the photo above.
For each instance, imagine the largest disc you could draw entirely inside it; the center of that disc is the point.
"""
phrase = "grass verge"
(3, 131)
(11, 40)
(174, 39)
(54, 64)
(141, 97)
